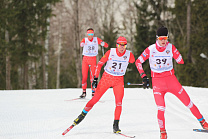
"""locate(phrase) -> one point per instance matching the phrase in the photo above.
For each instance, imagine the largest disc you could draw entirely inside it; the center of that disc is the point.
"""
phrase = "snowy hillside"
(45, 114)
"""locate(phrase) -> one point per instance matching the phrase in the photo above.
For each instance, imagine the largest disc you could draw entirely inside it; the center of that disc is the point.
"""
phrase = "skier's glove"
(102, 44)
(94, 83)
(82, 44)
(145, 82)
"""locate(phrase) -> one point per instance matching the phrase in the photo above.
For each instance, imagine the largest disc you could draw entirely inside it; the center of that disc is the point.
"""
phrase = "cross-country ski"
(201, 130)
(124, 135)
(68, 129)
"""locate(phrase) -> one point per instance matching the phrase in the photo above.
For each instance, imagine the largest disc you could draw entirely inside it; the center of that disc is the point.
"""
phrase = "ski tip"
(125, 135)
(201, 130)
(197, 129)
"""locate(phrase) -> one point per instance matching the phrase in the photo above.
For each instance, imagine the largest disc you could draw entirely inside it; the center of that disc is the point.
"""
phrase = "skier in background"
(90, 51)
(160, 57)
(117, 61)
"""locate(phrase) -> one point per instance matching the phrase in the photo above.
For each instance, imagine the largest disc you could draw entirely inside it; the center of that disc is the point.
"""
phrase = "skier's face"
(90, 35)
(162, 40)
(121, 48)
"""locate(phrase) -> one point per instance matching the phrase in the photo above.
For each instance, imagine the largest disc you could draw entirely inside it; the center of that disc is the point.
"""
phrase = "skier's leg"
(159, 91)
(92, 63)
(119, 93)
(101, 89)
(182, 95)
(176, 88)
(160, 102)
(85, 68)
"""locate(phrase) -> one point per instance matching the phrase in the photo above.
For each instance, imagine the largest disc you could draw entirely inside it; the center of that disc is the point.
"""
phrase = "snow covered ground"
(45, 114)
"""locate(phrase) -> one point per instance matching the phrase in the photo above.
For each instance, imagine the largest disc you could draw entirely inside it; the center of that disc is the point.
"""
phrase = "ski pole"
(92, 77)
(133, 84)
(91, 72)
(103, 50)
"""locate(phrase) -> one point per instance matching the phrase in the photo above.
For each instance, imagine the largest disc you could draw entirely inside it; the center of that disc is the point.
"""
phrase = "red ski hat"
(121, 40)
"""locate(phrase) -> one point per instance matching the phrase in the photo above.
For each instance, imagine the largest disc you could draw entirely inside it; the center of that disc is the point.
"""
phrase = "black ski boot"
(83, 94)
(79, 118)
(115, 127)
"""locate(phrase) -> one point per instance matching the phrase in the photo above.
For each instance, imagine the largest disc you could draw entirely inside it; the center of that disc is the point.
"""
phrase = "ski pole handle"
(133, 84)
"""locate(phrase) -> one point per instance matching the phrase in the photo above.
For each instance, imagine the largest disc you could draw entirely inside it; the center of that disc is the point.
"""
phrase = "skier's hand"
(145, 82)
(82, 44)
(94, 83)
(102, 44)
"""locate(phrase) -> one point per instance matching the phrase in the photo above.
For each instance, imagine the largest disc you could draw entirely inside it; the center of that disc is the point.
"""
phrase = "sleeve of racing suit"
(102, 43)
(141, 59)
(102, 61)
(177, 56)
(82, 42)
(132, 58)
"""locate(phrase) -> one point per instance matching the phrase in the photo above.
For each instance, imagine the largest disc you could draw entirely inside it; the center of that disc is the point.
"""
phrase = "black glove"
(94, 83)
(145, 82)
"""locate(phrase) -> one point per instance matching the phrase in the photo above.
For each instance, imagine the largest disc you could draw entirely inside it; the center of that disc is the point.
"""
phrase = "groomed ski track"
(44, 114)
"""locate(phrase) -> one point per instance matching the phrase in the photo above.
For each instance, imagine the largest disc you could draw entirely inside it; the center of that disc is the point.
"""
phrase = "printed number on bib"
(115, 65)
(91, 48)
(159, 61)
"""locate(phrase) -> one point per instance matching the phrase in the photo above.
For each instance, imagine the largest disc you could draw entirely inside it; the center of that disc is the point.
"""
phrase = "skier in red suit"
(90, 51)
(160, 57)
(117, 61)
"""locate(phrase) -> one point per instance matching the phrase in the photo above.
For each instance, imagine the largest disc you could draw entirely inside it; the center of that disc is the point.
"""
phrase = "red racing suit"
(90, 58)
(163, 78)
(110, 79)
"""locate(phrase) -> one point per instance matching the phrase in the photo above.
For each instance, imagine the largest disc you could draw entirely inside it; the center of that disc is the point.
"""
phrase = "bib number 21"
(115, 65)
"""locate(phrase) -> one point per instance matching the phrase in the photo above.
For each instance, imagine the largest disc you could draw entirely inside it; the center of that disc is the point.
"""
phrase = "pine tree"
(148, 20)
(26, 24)
(192, 73)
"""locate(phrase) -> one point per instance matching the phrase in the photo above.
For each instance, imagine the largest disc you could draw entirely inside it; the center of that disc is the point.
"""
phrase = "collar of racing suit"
(161, 48)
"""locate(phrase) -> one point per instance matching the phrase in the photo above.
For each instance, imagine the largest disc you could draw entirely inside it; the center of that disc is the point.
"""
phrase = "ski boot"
(163, 134)
(204, 124)
(83, 94)
(79, 118)
(93, 93)
(115, 127)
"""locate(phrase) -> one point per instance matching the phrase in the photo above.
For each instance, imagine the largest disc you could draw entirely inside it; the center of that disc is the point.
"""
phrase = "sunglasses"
(90, 34)
(119, 45)
(163, 38)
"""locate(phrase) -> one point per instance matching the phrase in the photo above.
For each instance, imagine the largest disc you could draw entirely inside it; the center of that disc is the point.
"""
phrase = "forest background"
(39, 39)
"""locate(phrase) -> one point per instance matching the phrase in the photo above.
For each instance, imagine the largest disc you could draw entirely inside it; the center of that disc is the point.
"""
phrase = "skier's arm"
(102, 61)
(177, 56)
(141, 59)
(82, 42)
(132, 58)
(102, 43)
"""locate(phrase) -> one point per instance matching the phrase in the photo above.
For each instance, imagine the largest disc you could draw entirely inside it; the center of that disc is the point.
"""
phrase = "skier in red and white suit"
(90, 51)
(117, 61)
(160, 57)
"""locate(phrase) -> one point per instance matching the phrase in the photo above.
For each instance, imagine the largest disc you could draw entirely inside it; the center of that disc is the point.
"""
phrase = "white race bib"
(161, 61)
(117, 65)
(90, 48)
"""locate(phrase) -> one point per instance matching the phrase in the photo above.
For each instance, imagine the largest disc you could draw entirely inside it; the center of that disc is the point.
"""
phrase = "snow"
(45, 114)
